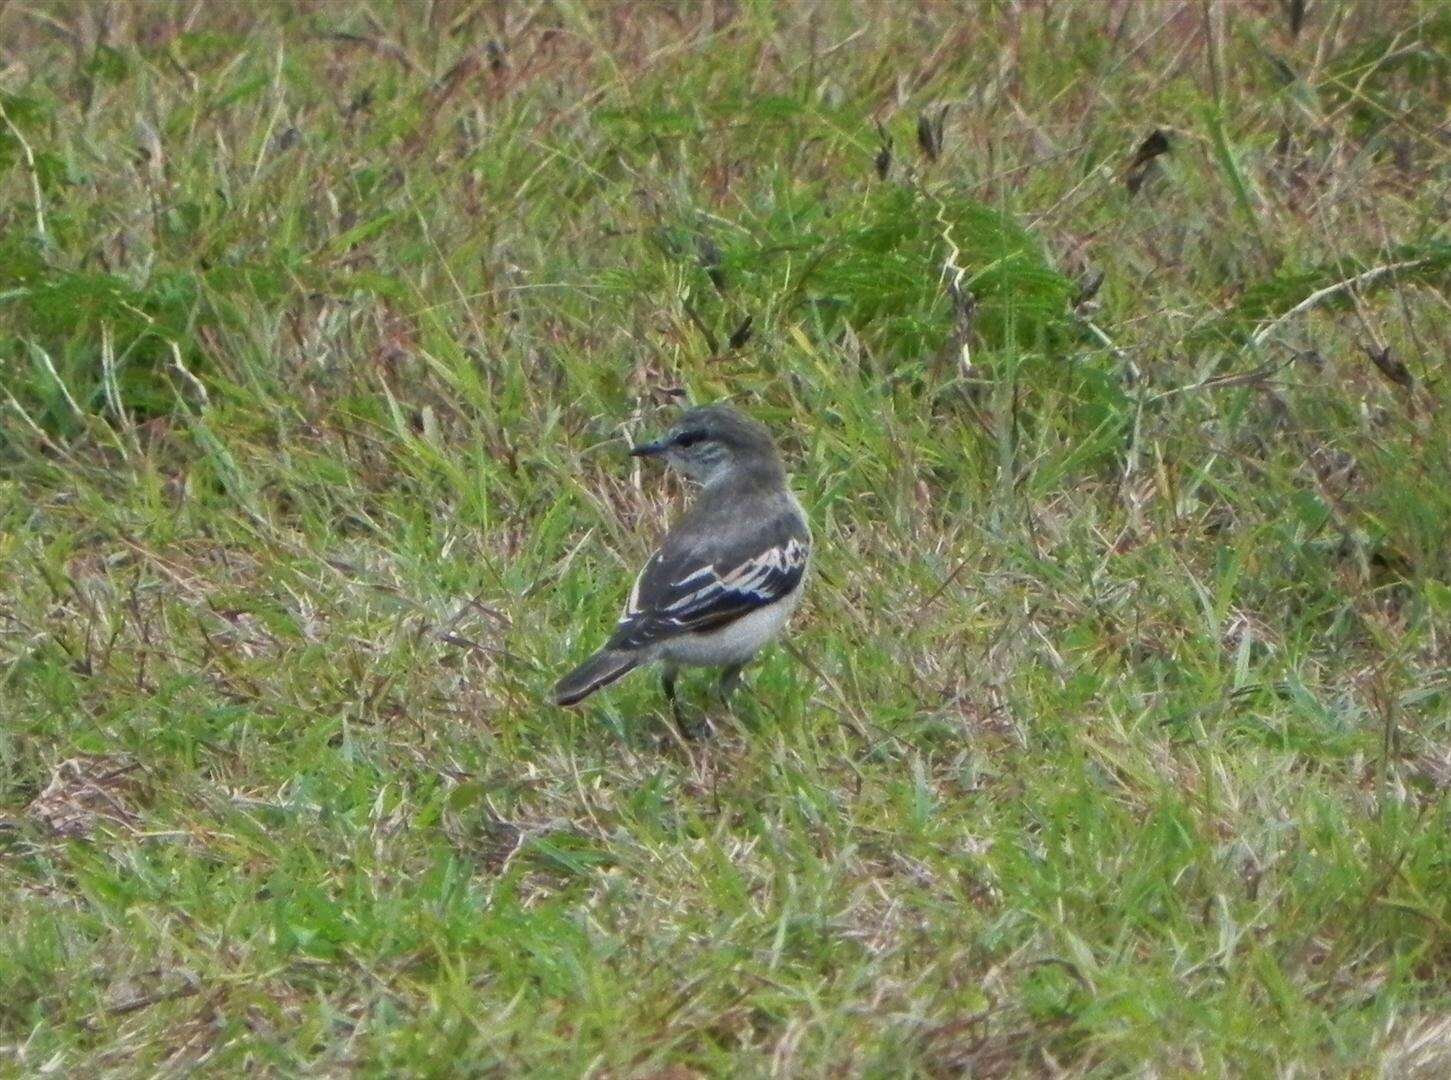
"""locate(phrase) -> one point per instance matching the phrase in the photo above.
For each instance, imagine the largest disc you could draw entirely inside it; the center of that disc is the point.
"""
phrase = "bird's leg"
(667, 683)
(730, 678)
(689, 730)
(747, 712)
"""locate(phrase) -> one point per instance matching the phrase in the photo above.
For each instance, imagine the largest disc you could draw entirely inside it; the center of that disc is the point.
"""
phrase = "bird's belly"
(735, 643)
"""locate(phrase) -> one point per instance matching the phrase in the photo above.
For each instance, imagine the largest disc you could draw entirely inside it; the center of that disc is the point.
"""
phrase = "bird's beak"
(649, 449)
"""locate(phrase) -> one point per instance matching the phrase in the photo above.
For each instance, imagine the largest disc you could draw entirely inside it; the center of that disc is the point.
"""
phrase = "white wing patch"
(703, 572)
(632, 605)
(754, 576)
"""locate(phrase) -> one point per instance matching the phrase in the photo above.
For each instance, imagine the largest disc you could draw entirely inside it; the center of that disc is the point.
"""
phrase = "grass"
(1119, 737)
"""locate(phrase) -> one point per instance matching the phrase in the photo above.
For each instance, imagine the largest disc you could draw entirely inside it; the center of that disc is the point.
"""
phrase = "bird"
(729, 573)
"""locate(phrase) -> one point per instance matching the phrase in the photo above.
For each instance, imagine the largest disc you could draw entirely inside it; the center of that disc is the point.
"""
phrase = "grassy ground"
(1120, 732)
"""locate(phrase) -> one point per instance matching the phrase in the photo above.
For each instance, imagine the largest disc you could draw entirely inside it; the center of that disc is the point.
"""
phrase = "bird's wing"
(694, 587)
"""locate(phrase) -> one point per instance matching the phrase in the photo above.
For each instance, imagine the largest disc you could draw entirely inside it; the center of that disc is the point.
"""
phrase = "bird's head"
(709, 441)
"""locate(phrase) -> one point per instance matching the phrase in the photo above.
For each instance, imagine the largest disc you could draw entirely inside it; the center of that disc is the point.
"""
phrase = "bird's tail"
(601, 669)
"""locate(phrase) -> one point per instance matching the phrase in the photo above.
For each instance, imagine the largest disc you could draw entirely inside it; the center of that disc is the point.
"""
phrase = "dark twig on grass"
(709, 255)
(711, 341)
(929, 133)
(1295, 14)
(1393, 369)
(741, 334)
(883, 159)
(1151, 148)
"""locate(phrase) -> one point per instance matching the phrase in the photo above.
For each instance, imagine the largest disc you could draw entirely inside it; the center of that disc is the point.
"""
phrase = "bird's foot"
(699, 726)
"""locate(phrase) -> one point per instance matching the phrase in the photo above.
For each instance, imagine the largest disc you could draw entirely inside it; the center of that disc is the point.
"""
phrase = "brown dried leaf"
(1392, 368)
(83, 792)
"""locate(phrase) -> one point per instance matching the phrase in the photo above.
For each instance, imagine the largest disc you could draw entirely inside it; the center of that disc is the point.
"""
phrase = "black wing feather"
(689, 586)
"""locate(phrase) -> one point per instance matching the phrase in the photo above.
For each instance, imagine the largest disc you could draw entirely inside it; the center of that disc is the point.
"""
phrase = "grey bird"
(729, 573)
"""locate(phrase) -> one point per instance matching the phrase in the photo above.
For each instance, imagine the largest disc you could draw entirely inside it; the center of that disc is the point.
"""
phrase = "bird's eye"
(688, 438)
